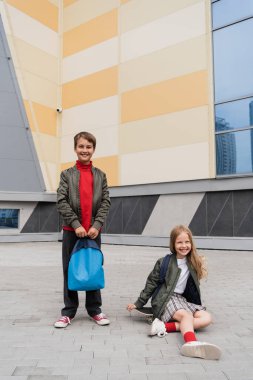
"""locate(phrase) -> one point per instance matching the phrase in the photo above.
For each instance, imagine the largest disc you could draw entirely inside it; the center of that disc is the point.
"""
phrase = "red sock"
(170, 327)
(189, 336)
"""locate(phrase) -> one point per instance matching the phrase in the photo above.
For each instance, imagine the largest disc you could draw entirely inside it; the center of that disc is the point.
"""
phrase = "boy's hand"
(80, 232)
(93, 233)
(131, 306)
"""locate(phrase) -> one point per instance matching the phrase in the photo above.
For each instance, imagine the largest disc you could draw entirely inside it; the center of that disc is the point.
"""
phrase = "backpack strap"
(162, 274)
(163, 269)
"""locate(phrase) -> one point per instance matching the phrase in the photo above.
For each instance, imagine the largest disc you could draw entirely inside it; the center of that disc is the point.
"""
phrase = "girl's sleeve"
(67, 213)
(150, 286)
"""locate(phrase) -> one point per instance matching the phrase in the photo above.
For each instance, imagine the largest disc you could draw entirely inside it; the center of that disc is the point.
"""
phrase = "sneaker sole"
(206, 351)
(100, 323)
(61, 326)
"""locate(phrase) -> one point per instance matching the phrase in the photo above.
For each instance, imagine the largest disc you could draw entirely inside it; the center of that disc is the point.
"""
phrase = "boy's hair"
(196, 260)
(87, 136)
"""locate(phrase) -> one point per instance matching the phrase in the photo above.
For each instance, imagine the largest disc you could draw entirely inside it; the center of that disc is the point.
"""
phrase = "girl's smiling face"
(182, 245)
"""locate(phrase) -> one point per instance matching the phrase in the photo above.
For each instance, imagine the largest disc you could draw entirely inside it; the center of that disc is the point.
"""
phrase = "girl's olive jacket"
(159, 302)
(68, 198)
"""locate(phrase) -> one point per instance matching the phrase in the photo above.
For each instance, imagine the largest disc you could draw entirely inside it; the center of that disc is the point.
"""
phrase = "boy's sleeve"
(151, 285)
(69, 216)
(104, 206)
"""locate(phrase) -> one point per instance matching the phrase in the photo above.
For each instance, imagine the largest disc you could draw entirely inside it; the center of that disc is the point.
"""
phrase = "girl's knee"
(181, 314)
(208, 318)
(205, 317)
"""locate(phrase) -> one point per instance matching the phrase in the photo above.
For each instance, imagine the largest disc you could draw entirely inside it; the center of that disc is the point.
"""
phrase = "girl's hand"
(93, 233)
(80, 232)
(131, 306)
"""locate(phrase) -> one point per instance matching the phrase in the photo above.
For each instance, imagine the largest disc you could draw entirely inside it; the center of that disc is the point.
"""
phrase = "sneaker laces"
(64, 319)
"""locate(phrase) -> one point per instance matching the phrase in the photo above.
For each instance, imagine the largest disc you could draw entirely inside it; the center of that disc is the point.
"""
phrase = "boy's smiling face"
(84, 150)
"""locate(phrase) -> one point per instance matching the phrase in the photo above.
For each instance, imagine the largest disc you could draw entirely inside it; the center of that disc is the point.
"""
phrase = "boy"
(83, 202)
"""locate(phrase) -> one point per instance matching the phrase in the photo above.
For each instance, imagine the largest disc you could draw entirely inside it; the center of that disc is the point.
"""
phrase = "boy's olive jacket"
(68, 198)
(159, 302)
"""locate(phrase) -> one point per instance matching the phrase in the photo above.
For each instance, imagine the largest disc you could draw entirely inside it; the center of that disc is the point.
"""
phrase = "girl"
(177, 305)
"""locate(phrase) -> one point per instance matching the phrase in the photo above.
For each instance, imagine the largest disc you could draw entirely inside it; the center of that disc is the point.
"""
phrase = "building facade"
(167, 89)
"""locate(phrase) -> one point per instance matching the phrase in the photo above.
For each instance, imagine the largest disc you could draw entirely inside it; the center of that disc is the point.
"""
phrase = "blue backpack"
(85, 271)
(162, 274)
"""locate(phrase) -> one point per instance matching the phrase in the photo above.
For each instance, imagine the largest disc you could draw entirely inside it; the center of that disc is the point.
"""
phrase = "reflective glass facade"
(233, 81)
(9, 218)
(230, 11)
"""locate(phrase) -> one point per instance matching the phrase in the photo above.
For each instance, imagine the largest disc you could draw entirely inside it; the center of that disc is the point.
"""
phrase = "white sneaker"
(62, 322)
(158, 328)
(101, 319)
(202, 350)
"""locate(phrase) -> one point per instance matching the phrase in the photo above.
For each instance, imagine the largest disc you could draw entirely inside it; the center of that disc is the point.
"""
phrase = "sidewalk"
(31, 299)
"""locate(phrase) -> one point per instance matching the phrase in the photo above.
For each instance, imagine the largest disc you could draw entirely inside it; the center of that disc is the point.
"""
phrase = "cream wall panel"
(36, 61)
(186, 162)
(20, 79)
(66, 3)
(49, 145)
(170, 130)
(90, 60)
(84, 10)
(171, 210)
(174, 61)
(39, 90)
(50, 175)
(52, 170)
(5, 18)
(33, 32)
(169, 30)
(140, 12)
(98, 114)
(107, 143)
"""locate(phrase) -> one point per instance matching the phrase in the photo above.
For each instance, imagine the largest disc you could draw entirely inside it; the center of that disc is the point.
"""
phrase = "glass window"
(233, 61)
(234, 152)
(229, 11)
(9, 218)
(234, 115)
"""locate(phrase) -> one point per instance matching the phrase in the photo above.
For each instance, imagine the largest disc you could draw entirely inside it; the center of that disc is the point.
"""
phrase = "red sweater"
(86, 193)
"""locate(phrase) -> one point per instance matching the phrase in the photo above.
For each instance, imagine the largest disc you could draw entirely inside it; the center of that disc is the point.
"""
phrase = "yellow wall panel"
(186, 127)
(91, 33)
(173, 95)
(41, 119)
(29, 115)
(67, 165)
(92, 87)
(82, 11)
(66, 3)
(41, 10)
(171, 62)
(46, 119)
(109, 165)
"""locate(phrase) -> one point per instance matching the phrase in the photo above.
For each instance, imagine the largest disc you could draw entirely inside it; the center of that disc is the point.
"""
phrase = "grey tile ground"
(31, 298)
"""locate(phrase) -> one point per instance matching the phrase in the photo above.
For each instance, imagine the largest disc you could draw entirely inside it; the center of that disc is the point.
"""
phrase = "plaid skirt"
(177, 302)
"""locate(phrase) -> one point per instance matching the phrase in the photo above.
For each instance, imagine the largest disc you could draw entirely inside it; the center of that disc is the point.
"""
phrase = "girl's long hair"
(197, 261)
